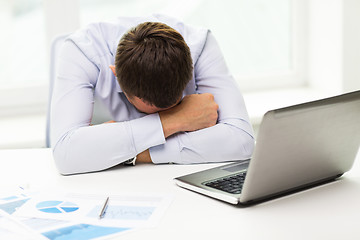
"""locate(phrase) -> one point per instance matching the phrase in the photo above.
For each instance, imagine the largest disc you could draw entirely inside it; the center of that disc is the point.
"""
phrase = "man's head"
(153, 64)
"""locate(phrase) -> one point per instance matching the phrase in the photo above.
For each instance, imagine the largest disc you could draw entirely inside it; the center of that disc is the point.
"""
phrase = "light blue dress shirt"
(83, 75)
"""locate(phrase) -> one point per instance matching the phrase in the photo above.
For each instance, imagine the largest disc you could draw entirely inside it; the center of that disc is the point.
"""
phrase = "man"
(166, 86)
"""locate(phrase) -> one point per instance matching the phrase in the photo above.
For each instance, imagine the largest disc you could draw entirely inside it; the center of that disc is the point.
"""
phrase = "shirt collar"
(117, 85)
(118, 88)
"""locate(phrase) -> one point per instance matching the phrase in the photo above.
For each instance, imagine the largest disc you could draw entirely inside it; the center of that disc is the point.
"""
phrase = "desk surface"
(330, 211)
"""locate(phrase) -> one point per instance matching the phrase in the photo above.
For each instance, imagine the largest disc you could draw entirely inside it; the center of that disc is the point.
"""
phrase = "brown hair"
(153, 63)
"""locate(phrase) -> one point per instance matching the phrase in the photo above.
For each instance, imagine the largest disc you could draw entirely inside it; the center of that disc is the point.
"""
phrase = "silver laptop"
(297, 147)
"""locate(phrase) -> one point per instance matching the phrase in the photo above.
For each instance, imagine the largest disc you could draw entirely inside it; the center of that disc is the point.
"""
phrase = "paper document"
(123, 210)
(11, 228)
(57, 215)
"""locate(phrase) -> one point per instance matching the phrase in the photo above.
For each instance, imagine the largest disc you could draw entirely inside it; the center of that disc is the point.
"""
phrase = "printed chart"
(56, 207)
(136, 213)
(82, 231)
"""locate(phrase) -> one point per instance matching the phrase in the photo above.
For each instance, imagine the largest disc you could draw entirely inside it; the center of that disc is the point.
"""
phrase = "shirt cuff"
(147, 132)
(166, 153)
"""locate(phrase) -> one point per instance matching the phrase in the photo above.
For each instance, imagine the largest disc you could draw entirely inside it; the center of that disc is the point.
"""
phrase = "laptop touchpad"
(236, 167)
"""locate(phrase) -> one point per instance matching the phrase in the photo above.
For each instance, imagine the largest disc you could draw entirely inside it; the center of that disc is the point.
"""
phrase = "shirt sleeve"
(79, 147)
(232, 137)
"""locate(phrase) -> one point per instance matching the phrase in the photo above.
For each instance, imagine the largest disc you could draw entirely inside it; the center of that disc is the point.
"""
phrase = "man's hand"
(195, 112)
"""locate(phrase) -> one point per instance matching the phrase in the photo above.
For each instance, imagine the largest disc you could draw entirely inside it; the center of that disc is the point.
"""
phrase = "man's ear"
(112, 67)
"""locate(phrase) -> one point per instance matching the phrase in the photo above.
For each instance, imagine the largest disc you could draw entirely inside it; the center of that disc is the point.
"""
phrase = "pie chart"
(56, 207)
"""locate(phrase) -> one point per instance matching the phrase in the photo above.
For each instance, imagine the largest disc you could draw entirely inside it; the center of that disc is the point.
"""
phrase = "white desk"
(330, 211)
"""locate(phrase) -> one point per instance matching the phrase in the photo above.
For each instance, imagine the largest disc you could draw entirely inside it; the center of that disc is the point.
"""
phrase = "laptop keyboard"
(231, 184)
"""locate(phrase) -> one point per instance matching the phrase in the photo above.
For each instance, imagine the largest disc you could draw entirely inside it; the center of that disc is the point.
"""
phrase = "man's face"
(144, 106)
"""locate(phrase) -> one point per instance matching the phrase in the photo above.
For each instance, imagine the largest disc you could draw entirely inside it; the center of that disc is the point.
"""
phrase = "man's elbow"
(63, 165)
(248, 146)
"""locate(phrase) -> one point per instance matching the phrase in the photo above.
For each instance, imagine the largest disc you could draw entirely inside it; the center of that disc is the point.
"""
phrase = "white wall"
(351, 45)
(334, 45)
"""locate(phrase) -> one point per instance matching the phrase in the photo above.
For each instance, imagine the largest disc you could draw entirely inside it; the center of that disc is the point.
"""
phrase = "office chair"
(100, 113)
